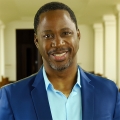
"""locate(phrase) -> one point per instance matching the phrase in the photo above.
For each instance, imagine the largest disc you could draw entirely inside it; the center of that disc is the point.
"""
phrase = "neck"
(63, 80)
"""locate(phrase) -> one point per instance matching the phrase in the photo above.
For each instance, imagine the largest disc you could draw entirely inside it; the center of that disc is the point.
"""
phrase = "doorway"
(28, 58)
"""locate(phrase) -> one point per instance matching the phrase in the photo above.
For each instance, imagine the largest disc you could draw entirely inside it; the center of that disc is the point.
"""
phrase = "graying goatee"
(61, 67)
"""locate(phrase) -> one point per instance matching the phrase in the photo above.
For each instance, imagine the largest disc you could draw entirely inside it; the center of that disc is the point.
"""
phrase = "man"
(61, 90)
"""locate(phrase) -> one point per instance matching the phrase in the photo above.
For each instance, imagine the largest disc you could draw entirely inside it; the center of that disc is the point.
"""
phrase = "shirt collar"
(48, 83)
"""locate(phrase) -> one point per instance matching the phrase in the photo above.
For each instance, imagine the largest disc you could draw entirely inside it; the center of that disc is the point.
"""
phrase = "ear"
(36, 40)
(78, 34)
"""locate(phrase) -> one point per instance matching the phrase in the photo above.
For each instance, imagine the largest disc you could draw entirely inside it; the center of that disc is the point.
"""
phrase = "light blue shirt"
(63, 108)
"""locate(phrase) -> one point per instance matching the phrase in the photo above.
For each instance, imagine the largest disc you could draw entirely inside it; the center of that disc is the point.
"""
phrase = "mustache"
(58, 50)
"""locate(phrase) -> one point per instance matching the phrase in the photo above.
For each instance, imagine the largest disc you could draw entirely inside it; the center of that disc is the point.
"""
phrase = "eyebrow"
(52, 31)
(47, 31)
(65, 29)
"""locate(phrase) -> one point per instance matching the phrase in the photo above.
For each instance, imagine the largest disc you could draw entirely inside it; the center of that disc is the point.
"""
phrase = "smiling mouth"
(59, 56)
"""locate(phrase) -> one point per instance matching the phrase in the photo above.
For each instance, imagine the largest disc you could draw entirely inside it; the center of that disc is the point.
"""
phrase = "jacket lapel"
(40, 99)
(41, 104)
(87, 92)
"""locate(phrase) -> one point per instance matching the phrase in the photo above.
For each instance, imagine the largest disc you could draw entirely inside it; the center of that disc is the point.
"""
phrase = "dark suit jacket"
(27, 99)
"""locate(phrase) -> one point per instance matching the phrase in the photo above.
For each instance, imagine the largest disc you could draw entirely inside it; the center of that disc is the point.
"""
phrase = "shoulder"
(98, 81)
(94, 78)
(21, 84)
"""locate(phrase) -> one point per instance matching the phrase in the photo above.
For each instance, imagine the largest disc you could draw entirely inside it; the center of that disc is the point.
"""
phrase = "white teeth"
(59, 55)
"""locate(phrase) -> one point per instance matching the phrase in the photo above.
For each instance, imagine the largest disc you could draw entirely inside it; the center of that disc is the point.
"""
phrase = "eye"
(67, 33)
(48, 36)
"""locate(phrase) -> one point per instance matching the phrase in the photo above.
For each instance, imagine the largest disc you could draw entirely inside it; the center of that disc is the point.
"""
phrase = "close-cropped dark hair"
(53, 6)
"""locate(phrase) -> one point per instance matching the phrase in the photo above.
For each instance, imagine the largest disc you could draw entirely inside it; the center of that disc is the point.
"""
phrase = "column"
(118, 45)
(98, 48)
(2, 65)
(110, 68)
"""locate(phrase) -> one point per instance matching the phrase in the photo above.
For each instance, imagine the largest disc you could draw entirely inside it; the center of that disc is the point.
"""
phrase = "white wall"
(10, 46)
(85, 54)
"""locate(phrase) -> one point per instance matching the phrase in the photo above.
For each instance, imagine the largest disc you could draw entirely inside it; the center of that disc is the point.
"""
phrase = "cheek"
(75, 44)
(43, 48)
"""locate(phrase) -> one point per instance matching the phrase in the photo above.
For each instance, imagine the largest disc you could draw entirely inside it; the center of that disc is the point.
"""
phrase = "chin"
(60, 67)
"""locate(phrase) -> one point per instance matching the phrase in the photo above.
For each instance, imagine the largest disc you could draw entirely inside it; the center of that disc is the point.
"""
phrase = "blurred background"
(99, 24)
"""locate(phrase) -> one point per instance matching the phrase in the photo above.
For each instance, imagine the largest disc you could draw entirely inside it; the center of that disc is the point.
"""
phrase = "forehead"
(54, 13)
(55, 18)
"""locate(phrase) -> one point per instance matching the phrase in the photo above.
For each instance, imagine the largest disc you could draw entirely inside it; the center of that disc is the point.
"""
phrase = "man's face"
(57, 39)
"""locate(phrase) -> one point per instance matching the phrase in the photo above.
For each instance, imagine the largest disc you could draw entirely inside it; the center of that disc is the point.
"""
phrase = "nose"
(57, 42)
